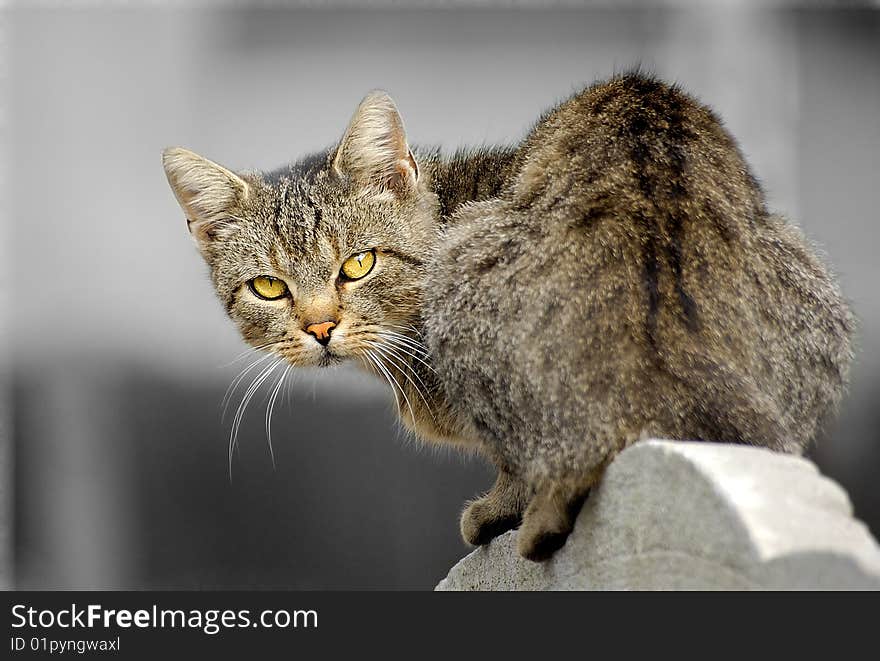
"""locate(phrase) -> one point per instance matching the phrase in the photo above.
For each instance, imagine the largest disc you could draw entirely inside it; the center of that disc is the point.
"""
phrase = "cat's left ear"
(207, 192)
(374, 152)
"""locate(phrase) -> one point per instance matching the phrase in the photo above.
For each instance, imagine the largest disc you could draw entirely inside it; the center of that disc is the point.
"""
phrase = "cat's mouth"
(328, 358)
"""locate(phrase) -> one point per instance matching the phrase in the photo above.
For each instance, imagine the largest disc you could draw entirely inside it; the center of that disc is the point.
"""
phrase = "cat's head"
(320, 260)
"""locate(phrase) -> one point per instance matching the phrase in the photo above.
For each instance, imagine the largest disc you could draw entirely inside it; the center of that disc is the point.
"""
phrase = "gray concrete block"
(685, 515)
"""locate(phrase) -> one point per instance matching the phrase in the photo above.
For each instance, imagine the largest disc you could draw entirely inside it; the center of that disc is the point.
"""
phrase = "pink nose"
(321, 332)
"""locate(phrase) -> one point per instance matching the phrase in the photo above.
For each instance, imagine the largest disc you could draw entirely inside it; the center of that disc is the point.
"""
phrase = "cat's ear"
(374, 152)
(206, 192)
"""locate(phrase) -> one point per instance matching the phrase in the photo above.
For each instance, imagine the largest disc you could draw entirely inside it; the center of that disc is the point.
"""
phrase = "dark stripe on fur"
(662, 175)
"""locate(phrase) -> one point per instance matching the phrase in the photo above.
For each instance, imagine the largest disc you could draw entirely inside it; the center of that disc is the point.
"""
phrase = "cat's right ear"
(207, 192)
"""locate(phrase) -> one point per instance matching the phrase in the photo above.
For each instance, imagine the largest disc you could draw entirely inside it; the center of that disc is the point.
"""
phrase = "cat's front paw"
(548, 521)
(539, 545)
(481, 521)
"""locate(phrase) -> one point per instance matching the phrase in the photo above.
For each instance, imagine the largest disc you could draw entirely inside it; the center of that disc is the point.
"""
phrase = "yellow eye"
(268, 287)
(357, 266)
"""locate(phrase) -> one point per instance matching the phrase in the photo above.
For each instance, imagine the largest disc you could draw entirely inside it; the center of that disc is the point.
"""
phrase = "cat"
(614, 276)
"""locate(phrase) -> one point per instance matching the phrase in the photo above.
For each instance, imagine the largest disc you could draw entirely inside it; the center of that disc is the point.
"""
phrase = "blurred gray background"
(118, 355)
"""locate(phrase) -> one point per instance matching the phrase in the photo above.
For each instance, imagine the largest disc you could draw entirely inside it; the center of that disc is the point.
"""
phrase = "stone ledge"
(686, 515)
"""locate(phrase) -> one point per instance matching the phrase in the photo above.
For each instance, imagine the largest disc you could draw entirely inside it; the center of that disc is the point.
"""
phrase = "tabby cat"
(614, 276)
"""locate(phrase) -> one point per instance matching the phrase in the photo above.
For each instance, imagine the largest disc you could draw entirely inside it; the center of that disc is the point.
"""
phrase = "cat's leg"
(551, 514)
(496, 512)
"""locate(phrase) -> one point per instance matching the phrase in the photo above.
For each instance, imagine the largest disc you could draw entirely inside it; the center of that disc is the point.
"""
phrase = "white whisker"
(269, 409)
(230, 391)
(403, 366)
(372, 360)
(379, 364)
(406, 350)
(247, 352)
(403, 340)
(411, 329)
(239, 414)
(406, 338)
(368, 361)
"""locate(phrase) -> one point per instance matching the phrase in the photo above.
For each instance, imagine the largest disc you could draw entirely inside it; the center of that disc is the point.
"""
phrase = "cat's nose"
(321, 332)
